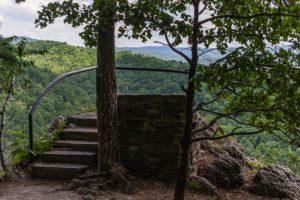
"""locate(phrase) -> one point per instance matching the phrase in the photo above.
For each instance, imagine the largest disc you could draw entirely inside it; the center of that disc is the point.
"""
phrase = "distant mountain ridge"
(162, 52)
(166, 53)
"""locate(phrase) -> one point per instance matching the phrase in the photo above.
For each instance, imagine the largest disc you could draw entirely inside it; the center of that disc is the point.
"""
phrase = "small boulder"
(234, 150)
(276, 181)
(76, 183)
(57, 124)
(225, 172)
(205, 185)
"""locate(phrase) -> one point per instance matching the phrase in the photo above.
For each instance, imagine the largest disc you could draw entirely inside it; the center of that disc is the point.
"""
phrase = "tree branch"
(202, 39)
(242, 111)
(169, 43)
(209, 125)
(272, 66)
(233, 133)
(206, 51)
(175, 50)
(228, 115)
(284, 140)
(201, 104)
(203, 9)
(232, 16)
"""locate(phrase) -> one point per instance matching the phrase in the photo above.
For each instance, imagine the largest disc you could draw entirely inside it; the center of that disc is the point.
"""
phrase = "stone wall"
(150, 127)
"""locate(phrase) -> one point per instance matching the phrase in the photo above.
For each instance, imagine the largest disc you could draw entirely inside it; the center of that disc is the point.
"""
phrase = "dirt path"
(35, 190)
(44, 190)
(144, 190)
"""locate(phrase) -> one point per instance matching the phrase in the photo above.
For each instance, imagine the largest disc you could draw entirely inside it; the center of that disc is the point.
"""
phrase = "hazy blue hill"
(162, 52)
(157, 51)
(166, 53)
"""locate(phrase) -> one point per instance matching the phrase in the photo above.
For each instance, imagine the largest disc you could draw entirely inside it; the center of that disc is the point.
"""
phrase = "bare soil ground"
(144, 190)
(35, 190)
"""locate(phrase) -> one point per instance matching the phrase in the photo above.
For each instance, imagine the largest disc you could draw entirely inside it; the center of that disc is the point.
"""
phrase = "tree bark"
(190, 95)
(2, 121)
(107, 95)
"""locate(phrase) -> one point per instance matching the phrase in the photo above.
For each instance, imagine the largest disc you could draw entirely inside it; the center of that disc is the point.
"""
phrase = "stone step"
(56, 171)
(77, 145)
(86, 119)
(74, 157)
(79, 133)
(62, 148)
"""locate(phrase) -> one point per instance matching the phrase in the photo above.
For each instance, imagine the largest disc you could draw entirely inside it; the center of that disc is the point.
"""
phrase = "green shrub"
(194, 185)
(42, 143)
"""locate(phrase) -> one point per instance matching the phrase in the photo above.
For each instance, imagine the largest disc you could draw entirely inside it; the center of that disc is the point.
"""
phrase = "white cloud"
(5, 3)
(2, 19)
(18, 19)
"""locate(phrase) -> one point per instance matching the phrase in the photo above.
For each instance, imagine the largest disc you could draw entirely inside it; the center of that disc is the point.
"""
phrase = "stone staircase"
(73, 153)
(147, 125)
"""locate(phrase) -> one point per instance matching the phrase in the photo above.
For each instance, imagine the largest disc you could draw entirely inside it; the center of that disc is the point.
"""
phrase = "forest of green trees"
(77, 94)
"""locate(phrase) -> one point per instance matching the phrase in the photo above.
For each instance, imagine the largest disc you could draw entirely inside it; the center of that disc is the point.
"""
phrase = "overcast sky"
(18, 19)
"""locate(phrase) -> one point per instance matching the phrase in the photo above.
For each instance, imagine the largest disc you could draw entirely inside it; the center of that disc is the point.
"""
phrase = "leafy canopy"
(256, 82)
(12, 63)
(92, 17)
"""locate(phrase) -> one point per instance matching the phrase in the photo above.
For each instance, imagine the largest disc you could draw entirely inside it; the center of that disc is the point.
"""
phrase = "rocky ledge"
(276, 181)
(223, 164)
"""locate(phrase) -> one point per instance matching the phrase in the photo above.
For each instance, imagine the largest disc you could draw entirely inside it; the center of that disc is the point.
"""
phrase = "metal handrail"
(71, 73)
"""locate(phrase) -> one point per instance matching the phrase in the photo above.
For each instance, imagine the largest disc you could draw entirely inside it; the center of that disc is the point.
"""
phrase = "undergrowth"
(42, 142)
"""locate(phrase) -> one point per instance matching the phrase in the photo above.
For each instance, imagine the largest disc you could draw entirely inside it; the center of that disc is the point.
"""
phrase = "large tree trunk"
(190, 95)
(107, 96)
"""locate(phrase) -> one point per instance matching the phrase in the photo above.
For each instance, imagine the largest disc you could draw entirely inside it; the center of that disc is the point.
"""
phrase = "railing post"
(31, 156)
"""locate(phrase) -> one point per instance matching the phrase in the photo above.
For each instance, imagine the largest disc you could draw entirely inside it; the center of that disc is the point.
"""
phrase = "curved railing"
(62, 77)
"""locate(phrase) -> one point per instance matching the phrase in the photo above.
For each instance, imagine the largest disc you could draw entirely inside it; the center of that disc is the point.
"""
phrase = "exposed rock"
(200, 151)
(57, 124)
(206, 186)
(76, 183)
(15, 175)
(87, 191)
(234, 150)
(276, 181)
(88, 197)
(224, 172)
(219, 161)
